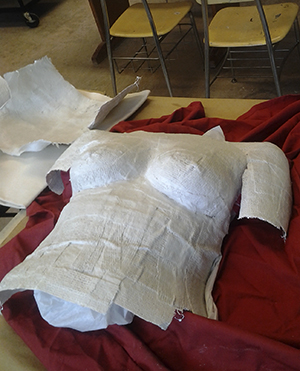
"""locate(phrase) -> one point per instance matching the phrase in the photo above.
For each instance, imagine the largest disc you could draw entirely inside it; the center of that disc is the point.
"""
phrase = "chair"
(143, 20)
(253, 26)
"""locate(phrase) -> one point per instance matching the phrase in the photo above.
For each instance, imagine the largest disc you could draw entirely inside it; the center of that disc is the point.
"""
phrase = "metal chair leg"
(206, 48)
(195, 30)
(108, 46)
(158, 47)
(297, 34)
(269, 46)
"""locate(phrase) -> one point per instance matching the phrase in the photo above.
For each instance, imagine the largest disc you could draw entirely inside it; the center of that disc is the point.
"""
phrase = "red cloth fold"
(257, 289)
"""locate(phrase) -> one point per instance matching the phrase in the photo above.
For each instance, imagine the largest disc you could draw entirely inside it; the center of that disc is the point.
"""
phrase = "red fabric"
(257, 289)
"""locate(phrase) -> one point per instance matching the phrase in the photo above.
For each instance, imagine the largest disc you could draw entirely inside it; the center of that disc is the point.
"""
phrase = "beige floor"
(68, 35)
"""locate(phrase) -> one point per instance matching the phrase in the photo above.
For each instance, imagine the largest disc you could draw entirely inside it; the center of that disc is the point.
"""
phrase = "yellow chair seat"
(280, 18)
(134, 22)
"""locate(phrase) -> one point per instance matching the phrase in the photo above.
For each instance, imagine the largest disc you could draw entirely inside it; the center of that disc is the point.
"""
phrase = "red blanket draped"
(257, 290)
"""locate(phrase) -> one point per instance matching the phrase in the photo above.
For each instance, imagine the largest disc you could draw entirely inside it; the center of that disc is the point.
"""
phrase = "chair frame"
(269, 46)
(148, 53)
(157, 42)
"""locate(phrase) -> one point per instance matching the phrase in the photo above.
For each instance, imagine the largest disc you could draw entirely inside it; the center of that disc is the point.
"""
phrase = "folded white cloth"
(61, 313)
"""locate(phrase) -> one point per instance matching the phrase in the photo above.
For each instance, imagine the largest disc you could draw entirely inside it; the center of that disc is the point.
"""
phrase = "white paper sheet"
(111, 104)
(4, 92)
(39, 108)
(24, 177)
(45, 109)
